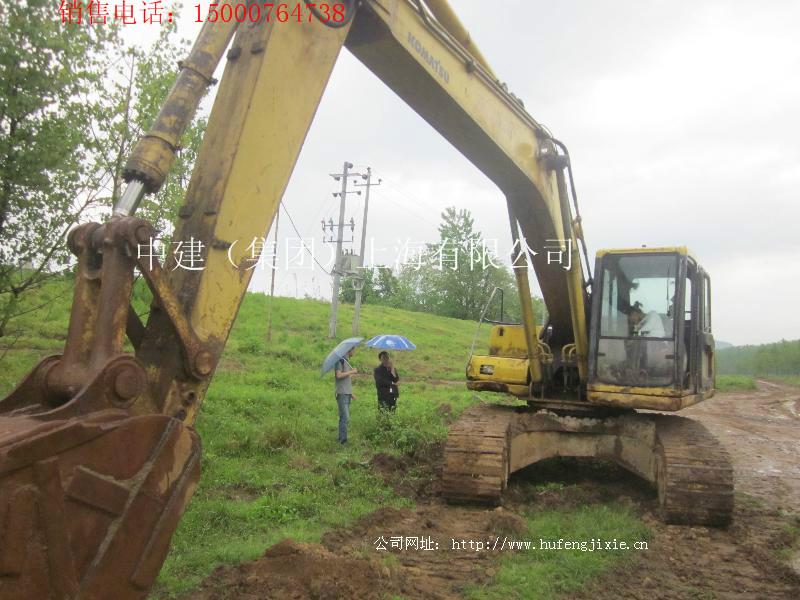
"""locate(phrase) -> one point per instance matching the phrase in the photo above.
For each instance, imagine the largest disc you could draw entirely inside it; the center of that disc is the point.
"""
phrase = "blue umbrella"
(339, 353)
(391, 342)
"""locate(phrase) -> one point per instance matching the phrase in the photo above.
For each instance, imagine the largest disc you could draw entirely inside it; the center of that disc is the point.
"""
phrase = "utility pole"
(272, 281)
(358, 283)
(337, 267)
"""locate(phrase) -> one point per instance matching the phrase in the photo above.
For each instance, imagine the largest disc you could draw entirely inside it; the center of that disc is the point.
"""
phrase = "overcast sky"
(683, 123)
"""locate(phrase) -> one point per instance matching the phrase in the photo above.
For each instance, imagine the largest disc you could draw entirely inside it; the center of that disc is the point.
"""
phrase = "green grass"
(787, 546)
(541, 573)
(272, 468)
(731, 383)
(789, 379)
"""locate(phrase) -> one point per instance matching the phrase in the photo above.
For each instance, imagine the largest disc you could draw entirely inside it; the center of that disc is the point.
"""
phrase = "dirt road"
(761, 430)
(751, 559)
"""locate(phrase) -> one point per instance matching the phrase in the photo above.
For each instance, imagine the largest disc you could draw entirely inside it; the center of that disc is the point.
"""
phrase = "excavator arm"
(98, 457)
(256, 130)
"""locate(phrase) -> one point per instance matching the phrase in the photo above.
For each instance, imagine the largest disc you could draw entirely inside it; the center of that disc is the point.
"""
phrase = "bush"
(729, 383)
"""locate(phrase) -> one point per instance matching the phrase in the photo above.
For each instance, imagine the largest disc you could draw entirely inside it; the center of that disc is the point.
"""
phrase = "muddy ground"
(751, 559)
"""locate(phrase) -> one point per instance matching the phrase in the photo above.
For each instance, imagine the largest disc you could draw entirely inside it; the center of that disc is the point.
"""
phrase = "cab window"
(636, 345)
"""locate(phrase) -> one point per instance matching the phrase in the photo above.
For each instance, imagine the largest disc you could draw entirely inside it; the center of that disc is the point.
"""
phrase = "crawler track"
(476, 455)
(694, 474)
(689, 467)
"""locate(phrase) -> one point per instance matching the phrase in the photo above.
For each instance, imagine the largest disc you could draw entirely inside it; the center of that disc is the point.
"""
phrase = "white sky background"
(682, 119)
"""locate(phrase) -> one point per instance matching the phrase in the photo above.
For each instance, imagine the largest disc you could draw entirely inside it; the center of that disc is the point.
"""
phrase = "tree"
(50, 110)
(73, 101)
(385, 286)
(777, 358)
(347, 291)
(455, 277)
(461, 287)
(416, 289)
(379, 286)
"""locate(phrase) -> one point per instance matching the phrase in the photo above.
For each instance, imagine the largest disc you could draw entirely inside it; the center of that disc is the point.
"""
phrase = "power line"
(422, 213)
(413, 201)
(301, 240)
(327, 205)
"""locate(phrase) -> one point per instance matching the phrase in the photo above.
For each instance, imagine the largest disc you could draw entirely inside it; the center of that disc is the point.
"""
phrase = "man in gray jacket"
(344, 393)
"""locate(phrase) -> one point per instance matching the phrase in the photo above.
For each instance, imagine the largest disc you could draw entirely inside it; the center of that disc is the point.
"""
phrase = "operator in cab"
(645, 325)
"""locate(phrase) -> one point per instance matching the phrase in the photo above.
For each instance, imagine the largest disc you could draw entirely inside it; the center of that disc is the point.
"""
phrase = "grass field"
(730, 383)
(272, 467)
(545, 572)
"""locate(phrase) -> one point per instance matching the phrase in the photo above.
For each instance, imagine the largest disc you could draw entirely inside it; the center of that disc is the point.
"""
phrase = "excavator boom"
(234, 192)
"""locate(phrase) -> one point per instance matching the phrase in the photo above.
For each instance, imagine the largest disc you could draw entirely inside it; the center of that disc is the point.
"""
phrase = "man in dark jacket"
(386, 379)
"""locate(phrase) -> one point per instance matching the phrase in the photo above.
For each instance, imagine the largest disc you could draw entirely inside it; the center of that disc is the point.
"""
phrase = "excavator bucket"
(93, 478)
(88, 504)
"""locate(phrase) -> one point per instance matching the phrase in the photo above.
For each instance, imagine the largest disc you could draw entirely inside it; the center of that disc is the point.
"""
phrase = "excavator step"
(689, 467)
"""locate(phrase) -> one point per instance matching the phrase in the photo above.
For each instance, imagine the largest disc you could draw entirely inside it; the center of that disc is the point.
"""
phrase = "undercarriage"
(689, 467)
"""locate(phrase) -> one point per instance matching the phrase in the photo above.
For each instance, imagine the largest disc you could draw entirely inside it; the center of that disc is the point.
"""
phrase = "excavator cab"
(651, 344)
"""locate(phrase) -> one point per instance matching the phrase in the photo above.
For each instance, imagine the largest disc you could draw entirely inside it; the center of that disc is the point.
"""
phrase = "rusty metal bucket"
(88, 505)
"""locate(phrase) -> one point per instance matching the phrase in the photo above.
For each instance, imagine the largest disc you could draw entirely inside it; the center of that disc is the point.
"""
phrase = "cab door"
(707, 369)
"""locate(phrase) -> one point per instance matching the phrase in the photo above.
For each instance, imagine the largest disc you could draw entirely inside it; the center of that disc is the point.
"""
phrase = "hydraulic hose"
(574, 194)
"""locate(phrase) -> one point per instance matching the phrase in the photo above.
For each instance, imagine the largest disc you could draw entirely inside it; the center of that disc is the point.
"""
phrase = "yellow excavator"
(98, 457)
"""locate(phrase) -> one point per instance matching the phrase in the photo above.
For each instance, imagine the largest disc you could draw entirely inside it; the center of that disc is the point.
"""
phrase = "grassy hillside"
(272, 467)
(269, 421)
(299, 334)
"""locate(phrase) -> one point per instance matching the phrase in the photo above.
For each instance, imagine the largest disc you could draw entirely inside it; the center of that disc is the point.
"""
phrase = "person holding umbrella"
(386, 376)
(338, 358)
(386, 379)
(344, 392)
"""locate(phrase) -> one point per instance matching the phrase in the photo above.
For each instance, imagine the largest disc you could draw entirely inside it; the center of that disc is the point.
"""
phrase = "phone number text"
(270, 12)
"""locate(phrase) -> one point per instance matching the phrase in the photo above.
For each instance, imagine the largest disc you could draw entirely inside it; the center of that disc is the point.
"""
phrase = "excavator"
(98, 455)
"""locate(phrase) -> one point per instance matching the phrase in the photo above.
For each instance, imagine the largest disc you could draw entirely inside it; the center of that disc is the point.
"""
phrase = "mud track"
(751, 559)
